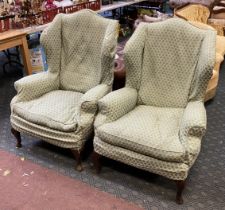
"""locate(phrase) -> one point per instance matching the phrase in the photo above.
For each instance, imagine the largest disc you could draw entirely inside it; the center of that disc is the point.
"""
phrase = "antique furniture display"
(156, 122)
(25, 13)
(59, 106)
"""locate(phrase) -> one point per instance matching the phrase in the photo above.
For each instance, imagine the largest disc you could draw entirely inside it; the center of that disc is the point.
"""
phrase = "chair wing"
(51, 40)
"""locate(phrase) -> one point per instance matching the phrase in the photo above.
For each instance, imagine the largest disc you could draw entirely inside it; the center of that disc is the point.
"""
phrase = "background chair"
(198, 15)
(157, 121)
(59, 106)
(220, 51)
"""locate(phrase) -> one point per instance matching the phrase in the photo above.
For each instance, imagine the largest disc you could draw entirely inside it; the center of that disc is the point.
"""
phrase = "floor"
(28, 186)
(205, 185)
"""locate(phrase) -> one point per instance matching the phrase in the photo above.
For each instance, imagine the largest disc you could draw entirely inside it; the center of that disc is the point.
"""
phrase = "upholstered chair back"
(193, 12)
(171, 65)
(76, 45)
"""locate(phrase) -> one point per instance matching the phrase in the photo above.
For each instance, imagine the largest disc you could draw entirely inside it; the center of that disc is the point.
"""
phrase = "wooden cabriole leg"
(18, 137)
(96, 161)
(180, 187)
(77, 155)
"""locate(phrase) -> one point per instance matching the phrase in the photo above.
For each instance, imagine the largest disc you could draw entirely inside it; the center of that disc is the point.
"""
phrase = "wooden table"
(15, 38)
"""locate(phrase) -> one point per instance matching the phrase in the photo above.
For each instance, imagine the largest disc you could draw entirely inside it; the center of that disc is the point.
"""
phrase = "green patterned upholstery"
(59, 106)
(157, 121)
(161, 125)
(37, 110)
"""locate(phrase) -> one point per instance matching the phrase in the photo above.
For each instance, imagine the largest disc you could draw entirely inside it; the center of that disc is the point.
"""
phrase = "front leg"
(18, 137)
(180, 187)
(96, 161)
(77, 155)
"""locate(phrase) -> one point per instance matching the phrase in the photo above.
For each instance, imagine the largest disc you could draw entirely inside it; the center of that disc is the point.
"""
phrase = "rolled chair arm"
(34, 86)
(89, 103)
(194, 120)
(115, 105)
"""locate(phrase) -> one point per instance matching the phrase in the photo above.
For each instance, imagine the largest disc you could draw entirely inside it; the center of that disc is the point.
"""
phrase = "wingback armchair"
(156, 122)
(59, 106)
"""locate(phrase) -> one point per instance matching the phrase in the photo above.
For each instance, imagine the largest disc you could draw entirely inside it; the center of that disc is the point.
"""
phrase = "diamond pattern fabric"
(62, 116)
(59, 106)
(171, 170)
(158, 62)
(83, 62)
(83, 45)
(156, 132)
(125, 98)
(159, 125)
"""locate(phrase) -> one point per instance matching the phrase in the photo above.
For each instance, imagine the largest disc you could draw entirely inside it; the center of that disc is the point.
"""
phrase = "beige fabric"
(193, 12)
(171, 170)
(87, 55)
(218, 28)
(220, 47)
(62, 139)
(34, 86)
(59, 106)
(219, 60)
(115, 105)
(154, 74)
(212, 86)
(83, 45)
(214, 26)
(155, 133)
(220, 51)
(158, 62)
(217, 21)
(62, 115)
(218, 24)
(199, 13)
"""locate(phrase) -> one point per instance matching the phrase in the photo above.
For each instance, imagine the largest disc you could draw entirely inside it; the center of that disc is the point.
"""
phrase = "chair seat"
(147, 130)
(57, 110)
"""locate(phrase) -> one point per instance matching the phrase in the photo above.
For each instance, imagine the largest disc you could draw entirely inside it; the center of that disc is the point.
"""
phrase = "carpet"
(25, 185)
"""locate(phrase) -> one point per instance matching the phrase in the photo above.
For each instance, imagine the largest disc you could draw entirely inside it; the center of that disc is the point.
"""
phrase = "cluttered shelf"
(39, 21)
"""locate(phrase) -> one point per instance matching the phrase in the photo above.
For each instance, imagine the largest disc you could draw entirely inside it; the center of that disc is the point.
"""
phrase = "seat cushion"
(57, 110)
(147, 130)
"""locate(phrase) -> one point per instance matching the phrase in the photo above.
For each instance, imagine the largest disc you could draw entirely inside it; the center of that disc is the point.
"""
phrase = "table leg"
(26, 56)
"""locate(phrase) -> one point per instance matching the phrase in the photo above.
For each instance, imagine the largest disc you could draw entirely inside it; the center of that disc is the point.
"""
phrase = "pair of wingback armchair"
(155, 123)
